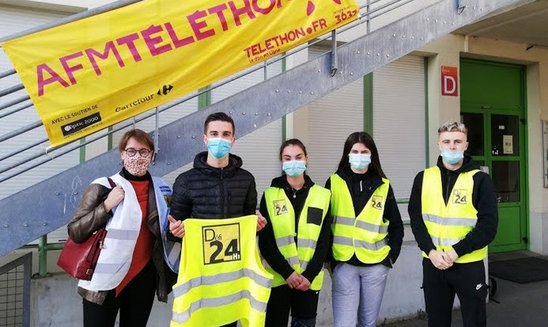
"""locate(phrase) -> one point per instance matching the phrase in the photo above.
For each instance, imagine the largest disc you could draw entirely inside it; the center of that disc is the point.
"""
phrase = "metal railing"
(15, 279)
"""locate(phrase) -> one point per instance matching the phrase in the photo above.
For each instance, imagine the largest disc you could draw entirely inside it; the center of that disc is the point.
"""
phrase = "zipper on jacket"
(222, 190)
(446, 198)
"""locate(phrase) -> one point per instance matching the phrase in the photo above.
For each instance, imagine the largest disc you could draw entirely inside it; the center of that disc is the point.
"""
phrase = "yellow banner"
(87, 75)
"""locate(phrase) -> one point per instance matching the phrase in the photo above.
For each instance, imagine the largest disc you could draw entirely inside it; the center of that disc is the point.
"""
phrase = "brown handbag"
(79, 259)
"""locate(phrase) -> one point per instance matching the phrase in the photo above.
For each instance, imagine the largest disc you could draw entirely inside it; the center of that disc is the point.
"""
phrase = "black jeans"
(467, 280)
(303, 306)
(134, 303)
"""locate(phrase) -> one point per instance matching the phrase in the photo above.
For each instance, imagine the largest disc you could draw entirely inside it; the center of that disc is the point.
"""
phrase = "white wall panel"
(331, 120)
(399, 122)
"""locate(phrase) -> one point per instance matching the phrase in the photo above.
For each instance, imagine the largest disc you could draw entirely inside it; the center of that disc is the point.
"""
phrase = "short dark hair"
(365, 139)
(219, 116)
(139, 136)
(295, 142)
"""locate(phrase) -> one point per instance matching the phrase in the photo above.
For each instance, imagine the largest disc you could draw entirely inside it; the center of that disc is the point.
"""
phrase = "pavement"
(513, 304)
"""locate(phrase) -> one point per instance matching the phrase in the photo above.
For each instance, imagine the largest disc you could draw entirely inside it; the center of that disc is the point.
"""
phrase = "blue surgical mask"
(359, 161)
(218, 147)
(294, 168)
(452, 157)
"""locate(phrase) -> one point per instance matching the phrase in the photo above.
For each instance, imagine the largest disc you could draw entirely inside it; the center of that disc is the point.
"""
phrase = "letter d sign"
(209, 234)
(449, 81)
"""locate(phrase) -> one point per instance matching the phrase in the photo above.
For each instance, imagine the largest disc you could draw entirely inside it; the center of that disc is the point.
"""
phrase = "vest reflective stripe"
(123, 234)
(293, 261)
(285, 240)
(306, 243)
(184, 317)
(449, 223)
(181, 290)
(364, 235)
(282, 216)
(371, 227)
(349, 221)
(108, 268)
(443, 242)
(350, 242)
(221, 279)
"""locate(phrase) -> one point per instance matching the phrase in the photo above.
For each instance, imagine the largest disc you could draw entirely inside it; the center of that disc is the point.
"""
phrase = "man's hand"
(304, 285)
(176, 227)
(451, 256)
(439, 259)
(294, 280)
(261, 221)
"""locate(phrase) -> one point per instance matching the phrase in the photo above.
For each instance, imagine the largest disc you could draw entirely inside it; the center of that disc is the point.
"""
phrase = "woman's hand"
(304, 285)
(294, 280)
(115, 196)
(261, 221)
(176, 227)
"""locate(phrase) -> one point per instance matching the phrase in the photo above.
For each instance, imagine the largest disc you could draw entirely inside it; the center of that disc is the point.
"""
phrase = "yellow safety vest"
(221, 278)
(448, 224)
(364, 235)
(282, 216)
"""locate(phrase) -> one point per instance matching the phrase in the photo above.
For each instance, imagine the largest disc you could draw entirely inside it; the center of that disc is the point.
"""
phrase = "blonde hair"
(453, 127)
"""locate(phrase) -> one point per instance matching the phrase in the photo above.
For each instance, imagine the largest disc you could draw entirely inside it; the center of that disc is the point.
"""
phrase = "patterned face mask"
(137, 165)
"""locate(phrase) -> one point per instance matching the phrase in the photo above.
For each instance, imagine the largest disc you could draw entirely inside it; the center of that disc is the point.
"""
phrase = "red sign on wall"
(449, 81)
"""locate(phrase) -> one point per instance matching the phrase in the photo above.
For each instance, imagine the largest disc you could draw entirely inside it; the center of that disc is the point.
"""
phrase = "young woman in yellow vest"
(295, 241)
(135, 262)
(367, 233)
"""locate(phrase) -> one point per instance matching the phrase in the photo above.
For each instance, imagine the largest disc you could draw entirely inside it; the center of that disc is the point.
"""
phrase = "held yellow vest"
(364, 235)
(282, 216)
(221, 279)
(448, 224)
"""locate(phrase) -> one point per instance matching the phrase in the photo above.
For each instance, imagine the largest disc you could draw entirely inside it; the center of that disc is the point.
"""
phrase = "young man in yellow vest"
(453, 212)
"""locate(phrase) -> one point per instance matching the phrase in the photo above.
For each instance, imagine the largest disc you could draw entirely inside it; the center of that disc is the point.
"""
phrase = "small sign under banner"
(89, 74)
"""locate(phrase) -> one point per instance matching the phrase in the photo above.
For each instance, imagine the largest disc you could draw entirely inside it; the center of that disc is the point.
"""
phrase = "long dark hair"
(367, 140)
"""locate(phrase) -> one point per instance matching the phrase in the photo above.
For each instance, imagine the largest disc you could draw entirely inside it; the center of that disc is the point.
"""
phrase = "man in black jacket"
(216, 187)
(453, 212)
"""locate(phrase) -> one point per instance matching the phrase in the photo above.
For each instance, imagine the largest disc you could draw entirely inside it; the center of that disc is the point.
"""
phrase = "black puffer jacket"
(208, 192)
